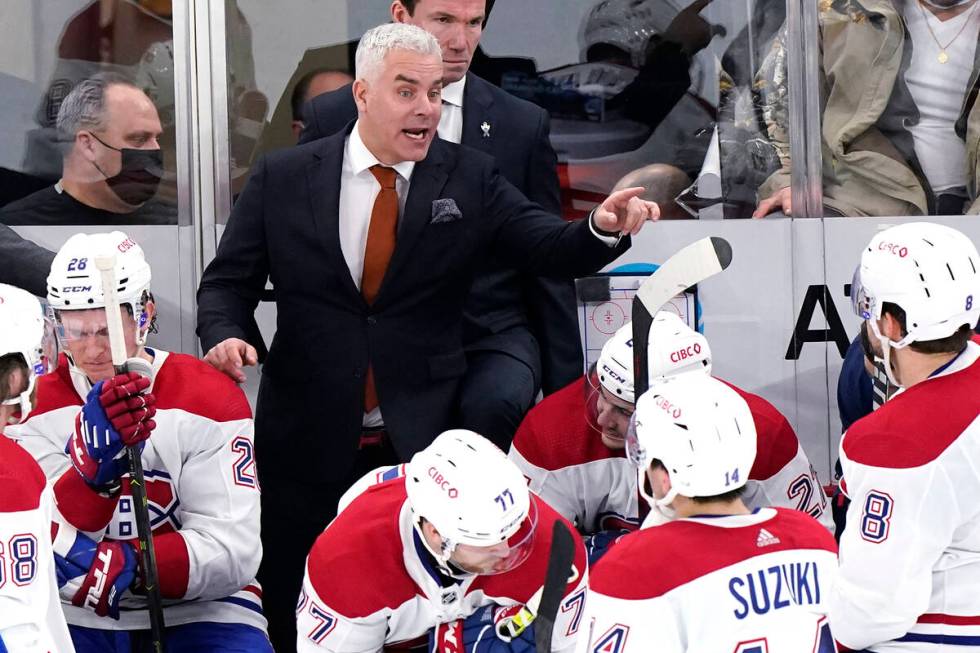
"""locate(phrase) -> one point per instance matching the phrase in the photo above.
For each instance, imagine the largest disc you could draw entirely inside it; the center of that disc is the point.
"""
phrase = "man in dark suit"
(371, 238)
(520, 330)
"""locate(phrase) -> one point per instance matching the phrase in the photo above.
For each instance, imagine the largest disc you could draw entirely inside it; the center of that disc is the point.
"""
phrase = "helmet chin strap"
(442, 557)
(886, 348)
(661, 506)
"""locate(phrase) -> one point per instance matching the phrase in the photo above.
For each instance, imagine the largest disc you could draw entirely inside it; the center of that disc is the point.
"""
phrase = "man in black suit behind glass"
(520, 330)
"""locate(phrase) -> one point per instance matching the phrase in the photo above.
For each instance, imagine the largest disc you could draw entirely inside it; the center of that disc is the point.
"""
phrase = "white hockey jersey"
(753, 583)
(31, 620)
(203, 494)
(370, 583)
(910, 553)
(567, 465)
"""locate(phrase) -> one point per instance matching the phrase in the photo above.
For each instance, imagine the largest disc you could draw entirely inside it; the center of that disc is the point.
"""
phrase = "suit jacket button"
(372, 320)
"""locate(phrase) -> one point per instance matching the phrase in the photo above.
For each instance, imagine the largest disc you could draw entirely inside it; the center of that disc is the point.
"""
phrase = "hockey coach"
(371, 238)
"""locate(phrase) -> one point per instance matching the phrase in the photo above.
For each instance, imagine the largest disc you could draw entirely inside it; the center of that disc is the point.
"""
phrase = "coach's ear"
(360, 89)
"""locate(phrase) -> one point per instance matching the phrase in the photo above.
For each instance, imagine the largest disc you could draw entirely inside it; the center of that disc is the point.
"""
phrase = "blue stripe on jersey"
(394, 472)
(955, 640)
(3, 647)
(245, 603)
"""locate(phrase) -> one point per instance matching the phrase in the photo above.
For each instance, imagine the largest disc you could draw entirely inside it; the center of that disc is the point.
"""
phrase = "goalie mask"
(476, 499)
(26, 333)
(932, 272)
(702, 432)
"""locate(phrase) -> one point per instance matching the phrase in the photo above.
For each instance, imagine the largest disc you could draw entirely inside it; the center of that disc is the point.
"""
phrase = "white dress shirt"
(358, 190)
(451, 121)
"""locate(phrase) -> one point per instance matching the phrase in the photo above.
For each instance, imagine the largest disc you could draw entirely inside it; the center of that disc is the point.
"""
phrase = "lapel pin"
(486, 129)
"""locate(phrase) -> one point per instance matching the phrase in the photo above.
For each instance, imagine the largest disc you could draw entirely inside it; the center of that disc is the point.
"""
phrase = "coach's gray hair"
(378, 41)
(84, 106)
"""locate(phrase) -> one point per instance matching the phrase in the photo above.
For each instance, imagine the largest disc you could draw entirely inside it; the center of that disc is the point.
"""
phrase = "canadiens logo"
(162, 502)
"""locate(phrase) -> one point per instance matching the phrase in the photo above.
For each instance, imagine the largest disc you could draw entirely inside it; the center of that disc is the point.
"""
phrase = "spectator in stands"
(901, 148)
(112, 166)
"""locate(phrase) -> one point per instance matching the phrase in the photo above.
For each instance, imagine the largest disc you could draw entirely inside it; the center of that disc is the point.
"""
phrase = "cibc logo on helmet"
(664, 404)
(443, 483)
(126, 245)
(900, 251)
(686, 352)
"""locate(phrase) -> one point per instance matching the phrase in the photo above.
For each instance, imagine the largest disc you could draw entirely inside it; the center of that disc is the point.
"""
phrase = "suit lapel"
(478, 115)
(428, 179)
(323, 180)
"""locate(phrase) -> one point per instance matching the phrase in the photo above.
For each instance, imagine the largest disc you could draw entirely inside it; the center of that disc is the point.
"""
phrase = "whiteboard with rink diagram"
(601, 316)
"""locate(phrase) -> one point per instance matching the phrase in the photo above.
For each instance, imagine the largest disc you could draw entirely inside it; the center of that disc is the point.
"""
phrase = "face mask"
(139, 176)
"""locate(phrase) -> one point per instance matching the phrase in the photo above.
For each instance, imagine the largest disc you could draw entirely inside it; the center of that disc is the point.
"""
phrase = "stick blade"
(556, 578)
(698, 261)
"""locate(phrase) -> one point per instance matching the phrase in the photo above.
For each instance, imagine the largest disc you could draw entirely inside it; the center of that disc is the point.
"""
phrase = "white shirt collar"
(453, 93)
(360, 158)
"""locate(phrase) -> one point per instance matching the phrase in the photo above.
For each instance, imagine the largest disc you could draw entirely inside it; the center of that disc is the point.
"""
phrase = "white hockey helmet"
(25, 329)
(929, 270)
(700, 429)
(473, 495)
(75, 283)
(674, 348)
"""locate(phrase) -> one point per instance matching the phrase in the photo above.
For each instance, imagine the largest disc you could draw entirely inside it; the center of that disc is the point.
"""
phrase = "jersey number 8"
(876, 517)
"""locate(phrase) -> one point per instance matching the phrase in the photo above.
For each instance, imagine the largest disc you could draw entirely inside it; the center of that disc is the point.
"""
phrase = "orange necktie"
(377, 253)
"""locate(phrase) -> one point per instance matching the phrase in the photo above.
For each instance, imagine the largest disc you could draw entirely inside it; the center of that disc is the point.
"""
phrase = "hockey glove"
(477, 633)
(116, 415)
(597, 544)
(95, 575)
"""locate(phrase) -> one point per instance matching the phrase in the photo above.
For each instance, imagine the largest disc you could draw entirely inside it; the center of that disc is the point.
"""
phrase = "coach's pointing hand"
(623, 212)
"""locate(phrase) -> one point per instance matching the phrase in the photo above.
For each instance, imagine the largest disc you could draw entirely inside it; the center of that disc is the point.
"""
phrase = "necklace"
(943, 57)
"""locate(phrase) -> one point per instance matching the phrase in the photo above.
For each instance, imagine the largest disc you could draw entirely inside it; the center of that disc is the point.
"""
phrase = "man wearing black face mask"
(112, 165)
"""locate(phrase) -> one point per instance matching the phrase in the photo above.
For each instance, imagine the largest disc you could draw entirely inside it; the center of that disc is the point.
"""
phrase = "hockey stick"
(106, 265)
(555, 581)
(512, 627)
(698, 261)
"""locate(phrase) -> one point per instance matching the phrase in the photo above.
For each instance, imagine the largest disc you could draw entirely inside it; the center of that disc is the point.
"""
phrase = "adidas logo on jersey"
(765, 538)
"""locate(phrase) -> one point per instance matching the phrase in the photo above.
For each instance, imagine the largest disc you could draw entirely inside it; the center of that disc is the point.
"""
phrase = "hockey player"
(199, 467)
(443, 552)
(31, 620)
(910, 552)
(571, 445)
(718, 576)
